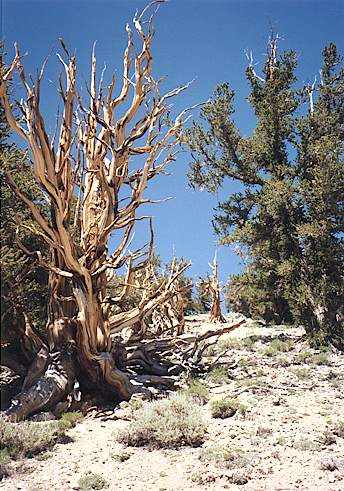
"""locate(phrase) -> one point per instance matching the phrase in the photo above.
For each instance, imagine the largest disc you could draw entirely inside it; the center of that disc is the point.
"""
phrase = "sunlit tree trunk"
(212, 286)
(88, 174)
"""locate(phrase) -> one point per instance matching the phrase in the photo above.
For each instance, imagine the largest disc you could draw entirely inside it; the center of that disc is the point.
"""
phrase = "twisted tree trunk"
(87, 174)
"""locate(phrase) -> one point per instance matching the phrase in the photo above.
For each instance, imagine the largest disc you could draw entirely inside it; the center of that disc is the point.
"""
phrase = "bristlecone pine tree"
(88, 175)
(287, 216)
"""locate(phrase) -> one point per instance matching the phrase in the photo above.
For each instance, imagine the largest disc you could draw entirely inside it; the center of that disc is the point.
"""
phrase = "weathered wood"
(213, 286)
(47, 391)
(93, 189)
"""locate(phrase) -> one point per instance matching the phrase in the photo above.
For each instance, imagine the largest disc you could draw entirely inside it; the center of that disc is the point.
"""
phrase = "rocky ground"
(287, 434)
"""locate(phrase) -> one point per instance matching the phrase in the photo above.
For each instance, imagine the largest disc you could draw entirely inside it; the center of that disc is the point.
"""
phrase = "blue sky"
(205, 39)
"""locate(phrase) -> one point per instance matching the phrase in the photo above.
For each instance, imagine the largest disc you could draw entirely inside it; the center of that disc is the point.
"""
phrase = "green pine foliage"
(23, 282)
(287, 216)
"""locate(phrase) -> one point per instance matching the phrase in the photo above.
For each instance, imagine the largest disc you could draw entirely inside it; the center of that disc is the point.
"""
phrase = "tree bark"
(85, 171)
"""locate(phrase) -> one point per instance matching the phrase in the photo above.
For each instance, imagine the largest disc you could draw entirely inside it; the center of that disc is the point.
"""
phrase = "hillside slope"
(288, 433)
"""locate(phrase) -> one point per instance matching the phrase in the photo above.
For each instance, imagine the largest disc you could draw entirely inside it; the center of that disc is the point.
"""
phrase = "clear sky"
(205, 39)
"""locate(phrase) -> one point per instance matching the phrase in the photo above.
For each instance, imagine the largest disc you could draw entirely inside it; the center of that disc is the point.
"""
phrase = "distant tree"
(286, 215)
(202, 297)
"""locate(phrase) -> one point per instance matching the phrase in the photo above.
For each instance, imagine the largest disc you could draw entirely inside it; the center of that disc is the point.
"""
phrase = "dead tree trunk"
(212, 285)
(87, 174)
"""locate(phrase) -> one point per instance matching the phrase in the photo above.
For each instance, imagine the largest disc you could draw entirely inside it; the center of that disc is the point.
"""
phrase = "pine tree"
(285, 174)
(321, 178)
(23, 282)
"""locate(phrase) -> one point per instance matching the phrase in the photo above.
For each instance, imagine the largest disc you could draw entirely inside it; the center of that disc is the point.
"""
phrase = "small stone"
(122, 414)
(329, 464)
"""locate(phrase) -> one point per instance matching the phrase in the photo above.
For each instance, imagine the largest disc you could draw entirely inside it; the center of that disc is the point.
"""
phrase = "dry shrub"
(26, 438)
(168, 423)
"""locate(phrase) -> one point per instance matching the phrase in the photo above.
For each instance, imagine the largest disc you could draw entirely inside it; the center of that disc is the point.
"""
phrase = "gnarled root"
(47, 390)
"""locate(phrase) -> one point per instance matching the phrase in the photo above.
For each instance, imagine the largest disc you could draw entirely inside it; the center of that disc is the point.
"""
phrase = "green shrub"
(325, 349)
(121, 456)
(278, 346)
(224, 456)
(167, 423)
(28, 438)
(221, 346)
(135, 404)
(212, 350)
(282, 362)
(248, 381)
(218, 375)
(247, 362)
(248, 343)
(224, 408)
(260, 373)
(242, 409)
(196, 390)
(229, 343)
(320, 359)
(92, 481)
(45, 456)
(303, 373)
(327, 438)
(301, 358)
(69, 420)
(5, 460)
(306, 444)
(281, 440)
(310, 358)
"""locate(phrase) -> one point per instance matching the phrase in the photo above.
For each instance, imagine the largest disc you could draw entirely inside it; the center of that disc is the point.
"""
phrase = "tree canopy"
(287, 215)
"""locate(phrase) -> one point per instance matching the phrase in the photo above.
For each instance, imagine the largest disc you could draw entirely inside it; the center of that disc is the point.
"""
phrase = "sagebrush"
(169, 423)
